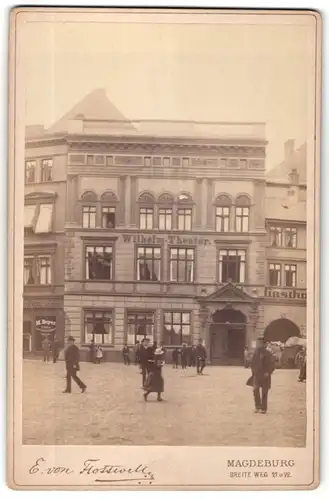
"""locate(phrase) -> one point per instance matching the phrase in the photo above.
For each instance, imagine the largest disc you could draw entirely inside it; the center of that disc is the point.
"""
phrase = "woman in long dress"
(154, 381)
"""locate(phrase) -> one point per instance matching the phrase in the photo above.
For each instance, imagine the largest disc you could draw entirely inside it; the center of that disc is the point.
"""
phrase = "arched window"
(222, 213)
(165, 211)
(242, 213)
(184, 212)
(109, 203)
(146, 203)
(89, 210)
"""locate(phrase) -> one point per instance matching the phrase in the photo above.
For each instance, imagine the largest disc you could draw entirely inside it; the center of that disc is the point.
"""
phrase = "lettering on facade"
(45, 324)
(172, 240)
(277, 293)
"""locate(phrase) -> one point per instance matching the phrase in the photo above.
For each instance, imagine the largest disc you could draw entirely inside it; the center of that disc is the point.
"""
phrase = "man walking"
(183, 356)
(46, 350)
(72, 360)
(262, 367)
(55, 349)
(126, 355)
(146, 354)
(201, 356)
(136, 352)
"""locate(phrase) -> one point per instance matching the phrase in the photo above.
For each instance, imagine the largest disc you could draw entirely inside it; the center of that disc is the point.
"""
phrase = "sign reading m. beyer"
(152, 239)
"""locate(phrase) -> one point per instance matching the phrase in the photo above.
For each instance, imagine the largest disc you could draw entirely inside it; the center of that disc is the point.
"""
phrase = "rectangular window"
(140, 325)
(30, 171)
(146, 218)
(99, 262)
(90, 159)
(232, 266)
(290, 271)
(182, 265)
(148, 264)
(89, 217)
(29, 215)
(108, 217)
(98, 327)
(222, 219)
(274, 274)
(242, 219)
(184, 219)
(166, 162)
(99, 160)
(243, 164)
(47, 170)
(44, 221)
(177, 328)
(37, 270)
(223, 163)
(109, 160)
(290, 237)
(275, 236)
(147, 161)
(165, 219)
(186, 162)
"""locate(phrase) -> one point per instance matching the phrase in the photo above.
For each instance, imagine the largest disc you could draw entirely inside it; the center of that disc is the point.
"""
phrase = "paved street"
(214, 409)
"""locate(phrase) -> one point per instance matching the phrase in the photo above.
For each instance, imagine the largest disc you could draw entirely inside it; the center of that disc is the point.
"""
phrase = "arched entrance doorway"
(228, 336)
(280, 330)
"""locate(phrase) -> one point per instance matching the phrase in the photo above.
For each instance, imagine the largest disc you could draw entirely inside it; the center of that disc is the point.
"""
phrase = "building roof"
(95, 106)
(294, 159)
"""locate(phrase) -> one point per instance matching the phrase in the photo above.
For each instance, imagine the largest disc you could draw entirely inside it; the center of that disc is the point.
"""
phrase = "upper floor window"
(290, 271)
(283, 236)
(30, 171)
(98, 327)
(147, 161)
(148, 264)
(165, 219)
(46, 170)
(140, 325)
(37, 270)
(89, 216)
(232, 266)
(38, 217)
(274, 274)
(99, 262)
(108, 217)
(146, 211)
(222, 214)
(166, 162)
(242, 213)
(184, 216)
(176, 328)
(182, 261)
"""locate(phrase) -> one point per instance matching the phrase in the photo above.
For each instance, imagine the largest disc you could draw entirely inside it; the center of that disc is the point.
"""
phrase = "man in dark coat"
(262, 367)
(126, 355)
(201, 356)
(136, 352)
(183, 356)
(72, 360)
(302, 366)
(146, 354)
(174, 355)
(55, 349)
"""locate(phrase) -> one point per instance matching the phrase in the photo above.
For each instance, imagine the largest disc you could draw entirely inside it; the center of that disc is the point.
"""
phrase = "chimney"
(289, 148)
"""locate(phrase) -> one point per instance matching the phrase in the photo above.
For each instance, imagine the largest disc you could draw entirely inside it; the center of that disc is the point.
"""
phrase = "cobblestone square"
(213, 409)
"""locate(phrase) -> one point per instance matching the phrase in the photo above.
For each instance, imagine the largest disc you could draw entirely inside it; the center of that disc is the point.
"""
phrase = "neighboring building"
(169, 232)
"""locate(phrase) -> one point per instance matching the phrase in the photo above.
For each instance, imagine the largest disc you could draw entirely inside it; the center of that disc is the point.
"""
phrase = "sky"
(206, 72)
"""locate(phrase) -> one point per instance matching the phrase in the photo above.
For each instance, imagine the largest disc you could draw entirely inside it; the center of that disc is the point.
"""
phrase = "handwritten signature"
(102, 473)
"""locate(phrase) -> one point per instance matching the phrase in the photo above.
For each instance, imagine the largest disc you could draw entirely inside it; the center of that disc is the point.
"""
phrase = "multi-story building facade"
(168, 234)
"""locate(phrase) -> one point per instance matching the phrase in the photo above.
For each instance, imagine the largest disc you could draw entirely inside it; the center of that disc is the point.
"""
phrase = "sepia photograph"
(165, 201)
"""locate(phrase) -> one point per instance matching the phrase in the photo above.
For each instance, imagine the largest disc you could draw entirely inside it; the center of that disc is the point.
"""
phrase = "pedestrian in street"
(92, 357)
(302, 366)
(154, 381)
(201, 356)
(55, 349)
(245, 356)
(193, 355)
(189, 354)
(183, 356)
(174, 355)
(126, 355)
(46, 350)
(146, 355)
(72, 362)
(99, 355)
(136, 352)
(262, 367)
(164, 350)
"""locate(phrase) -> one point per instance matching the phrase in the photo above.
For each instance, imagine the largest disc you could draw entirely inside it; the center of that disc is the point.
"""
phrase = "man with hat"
(72, 359)
(262, 367)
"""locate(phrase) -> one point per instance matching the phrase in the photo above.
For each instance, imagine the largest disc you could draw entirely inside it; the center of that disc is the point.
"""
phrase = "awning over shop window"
(29, 214)
(43, 224)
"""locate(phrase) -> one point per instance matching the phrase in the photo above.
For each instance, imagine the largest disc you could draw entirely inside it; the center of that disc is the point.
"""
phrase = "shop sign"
(281, 293)
(45, 324)
(152, 239)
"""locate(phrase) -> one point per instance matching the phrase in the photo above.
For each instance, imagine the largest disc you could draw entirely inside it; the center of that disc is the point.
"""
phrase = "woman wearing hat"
(154, 381)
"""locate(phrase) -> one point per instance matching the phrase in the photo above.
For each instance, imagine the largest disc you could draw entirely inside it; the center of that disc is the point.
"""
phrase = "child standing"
(99, 355)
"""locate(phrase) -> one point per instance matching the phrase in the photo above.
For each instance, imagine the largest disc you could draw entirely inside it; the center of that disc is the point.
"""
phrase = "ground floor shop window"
(177, 328)
(140, 325)
(98, 327)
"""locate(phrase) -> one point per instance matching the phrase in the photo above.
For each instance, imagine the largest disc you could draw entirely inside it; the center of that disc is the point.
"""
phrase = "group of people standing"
(188, 355)
(51, 350)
